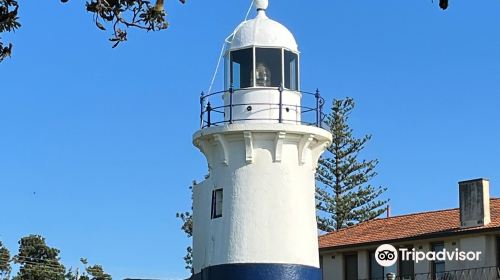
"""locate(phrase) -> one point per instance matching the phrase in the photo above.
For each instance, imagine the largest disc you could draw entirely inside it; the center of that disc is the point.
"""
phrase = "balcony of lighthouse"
(214, 111)
(261, 86)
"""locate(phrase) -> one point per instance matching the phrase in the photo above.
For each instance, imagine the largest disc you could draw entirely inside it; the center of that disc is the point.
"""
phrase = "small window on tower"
(217, 198)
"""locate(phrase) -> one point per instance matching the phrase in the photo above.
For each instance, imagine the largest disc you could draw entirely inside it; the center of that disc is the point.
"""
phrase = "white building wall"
(422, 266)
(267, 173)
(363, 264)
(271, 208)
(491, 254)
(485, 244)
(452, 245)
(208, 231)
(201, 223)
(333, 267)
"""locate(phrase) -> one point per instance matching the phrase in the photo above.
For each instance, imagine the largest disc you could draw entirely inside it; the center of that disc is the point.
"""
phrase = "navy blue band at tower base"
(252, 271)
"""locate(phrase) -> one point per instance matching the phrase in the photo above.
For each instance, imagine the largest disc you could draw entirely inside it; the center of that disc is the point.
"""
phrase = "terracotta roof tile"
(405, 227)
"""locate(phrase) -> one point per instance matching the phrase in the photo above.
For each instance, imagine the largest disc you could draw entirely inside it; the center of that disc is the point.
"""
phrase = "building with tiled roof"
(349, 254)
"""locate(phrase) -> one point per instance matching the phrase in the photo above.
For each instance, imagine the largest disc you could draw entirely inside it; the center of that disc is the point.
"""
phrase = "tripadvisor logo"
(387, 255)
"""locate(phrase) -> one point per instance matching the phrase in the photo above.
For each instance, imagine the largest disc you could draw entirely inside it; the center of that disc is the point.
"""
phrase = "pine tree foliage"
(9, 22)
(37, 260)
(5, 267)
(344, 195)
(94, 272)
(187, 228)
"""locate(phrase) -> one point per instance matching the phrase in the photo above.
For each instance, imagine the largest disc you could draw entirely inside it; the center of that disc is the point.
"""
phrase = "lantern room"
(255, 67)
(261, 78)
(262, 53)
(262, 72)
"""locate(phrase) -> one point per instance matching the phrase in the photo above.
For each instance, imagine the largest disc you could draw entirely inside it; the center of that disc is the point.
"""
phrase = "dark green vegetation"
(344, 196)
(9, 21)
(117, 15)
(187, 228)
(38, 261)
(5, 267)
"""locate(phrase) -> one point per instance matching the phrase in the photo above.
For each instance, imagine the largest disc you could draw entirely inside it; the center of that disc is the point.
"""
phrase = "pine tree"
(187, 228)
(5, 267)
(343, 194)
(38, 261)
(94, 272)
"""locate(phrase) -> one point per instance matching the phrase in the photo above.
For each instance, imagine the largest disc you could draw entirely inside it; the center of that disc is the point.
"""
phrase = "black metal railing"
(481, 273)
(213, 110)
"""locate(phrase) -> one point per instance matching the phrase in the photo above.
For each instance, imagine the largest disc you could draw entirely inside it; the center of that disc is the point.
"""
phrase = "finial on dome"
(261, 5)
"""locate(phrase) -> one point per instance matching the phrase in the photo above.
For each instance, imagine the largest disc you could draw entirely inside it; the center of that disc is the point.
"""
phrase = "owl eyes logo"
(386, 255)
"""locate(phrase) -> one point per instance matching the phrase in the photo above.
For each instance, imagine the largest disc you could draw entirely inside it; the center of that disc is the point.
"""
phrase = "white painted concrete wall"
(485, 244)
(333, 267)
(267, 172)
(265, 113)
(207, 231)
(491, 255)
(363, 264)
(451, 245)
(202, 221)
(422, 266)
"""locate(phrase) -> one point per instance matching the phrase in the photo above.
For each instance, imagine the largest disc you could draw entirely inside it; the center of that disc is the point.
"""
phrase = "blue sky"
(95, 143)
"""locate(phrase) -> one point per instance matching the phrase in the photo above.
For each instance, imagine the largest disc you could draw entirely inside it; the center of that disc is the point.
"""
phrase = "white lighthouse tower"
(254, 216)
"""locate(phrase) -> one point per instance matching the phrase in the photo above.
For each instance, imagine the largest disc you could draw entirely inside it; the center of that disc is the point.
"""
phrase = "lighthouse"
(254, 215)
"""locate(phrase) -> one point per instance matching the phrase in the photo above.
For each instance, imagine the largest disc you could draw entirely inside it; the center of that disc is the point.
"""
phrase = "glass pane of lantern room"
(242, 68)
(291, 70)
(227, 72)
(268, 69)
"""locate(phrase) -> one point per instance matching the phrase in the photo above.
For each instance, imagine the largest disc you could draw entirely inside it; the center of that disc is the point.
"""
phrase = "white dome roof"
(262, 31)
